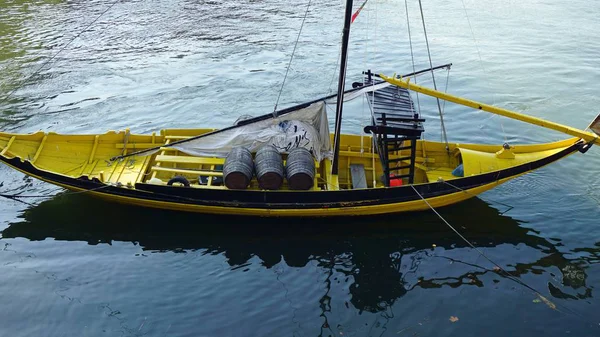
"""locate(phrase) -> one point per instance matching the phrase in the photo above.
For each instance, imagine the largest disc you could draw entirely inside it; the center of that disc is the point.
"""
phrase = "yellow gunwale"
(97, 144)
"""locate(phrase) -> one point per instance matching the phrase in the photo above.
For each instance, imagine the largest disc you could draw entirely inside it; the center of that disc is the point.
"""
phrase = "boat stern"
(485, 159)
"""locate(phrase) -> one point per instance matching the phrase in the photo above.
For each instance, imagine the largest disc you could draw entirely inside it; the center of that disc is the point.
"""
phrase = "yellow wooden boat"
(389, 169)
(103, 165)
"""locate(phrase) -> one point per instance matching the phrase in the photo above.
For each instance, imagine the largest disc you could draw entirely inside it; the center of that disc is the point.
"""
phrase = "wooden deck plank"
(187, 171)
(12, 139)
(162, 153)
(189, 160)
(93, 153)
(39, 150)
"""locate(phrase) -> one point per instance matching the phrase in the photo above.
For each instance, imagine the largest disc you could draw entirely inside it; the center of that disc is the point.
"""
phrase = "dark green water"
(76, 266)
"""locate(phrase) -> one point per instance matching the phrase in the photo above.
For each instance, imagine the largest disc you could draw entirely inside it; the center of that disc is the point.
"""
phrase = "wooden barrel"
(300, 169)
(238, 168)
(269, 168)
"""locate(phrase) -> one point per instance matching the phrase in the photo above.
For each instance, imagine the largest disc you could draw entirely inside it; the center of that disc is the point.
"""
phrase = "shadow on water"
(368, 249)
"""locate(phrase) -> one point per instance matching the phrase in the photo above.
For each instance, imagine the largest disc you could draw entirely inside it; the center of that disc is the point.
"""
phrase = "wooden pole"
(341, 84)
(587, 136)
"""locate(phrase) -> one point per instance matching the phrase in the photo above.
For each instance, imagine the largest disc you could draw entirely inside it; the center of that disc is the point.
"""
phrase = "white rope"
(291, 58)
(364, 97)
(412, 54)
(362, 134)
(474, 195)
(58, 52)
(481, 64)
(335, 69)
(505, 273)
(373, 158)
(446, 90)
(433, 78)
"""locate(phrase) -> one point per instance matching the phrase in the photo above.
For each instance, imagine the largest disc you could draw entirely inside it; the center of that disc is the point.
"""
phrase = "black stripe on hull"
(288, 199)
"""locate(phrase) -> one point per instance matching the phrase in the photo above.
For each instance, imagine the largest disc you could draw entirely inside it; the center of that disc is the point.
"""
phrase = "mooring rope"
(505, 273)
(474, 195)
(17, 197)
(59, 51)
(287, 70)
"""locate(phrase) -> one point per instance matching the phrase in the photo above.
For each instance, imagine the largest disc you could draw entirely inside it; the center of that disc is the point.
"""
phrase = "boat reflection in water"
(381, 254)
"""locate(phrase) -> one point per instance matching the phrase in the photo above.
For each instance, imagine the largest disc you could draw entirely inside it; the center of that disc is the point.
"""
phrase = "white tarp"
(358, 93)
(306, 128)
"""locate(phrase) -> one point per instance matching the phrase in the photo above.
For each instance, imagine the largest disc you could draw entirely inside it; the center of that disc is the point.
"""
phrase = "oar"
(587, 136)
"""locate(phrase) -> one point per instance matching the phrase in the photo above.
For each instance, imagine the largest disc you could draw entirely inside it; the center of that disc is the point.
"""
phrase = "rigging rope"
(59, 51)
(505, 273)
(483, 68)
(446, 90)
(412, 56)
(433, 78)
(364, 80)
(335, 70)
(476, 44)
(291, 58)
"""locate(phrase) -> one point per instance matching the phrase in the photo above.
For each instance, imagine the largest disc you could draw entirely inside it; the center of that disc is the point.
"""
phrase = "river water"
(75, 266)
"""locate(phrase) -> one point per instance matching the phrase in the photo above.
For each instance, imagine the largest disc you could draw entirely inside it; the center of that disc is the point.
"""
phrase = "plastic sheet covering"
(307, 128)
(595, 125)
(359, 93)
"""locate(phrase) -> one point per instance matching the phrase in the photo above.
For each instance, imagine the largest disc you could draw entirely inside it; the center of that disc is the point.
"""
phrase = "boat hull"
(351, 202)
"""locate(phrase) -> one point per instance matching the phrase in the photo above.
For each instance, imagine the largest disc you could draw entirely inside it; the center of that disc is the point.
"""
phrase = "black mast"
(341, 83)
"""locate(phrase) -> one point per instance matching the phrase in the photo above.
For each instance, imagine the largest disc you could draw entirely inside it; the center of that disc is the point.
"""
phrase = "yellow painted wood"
(165, 149)
(343, 211)
(70, 156)
(96, 139)
(212, 168)
(132, 170)
(329, 178)
(87, 168)
(189, 160)
(158, 164)
(136, 146)
(440, 173)
(177, 137)
(122, 169)
(184, 171)
(5, 150)
(39, 150)
(142, 172)
(114, 167)
(587, 136)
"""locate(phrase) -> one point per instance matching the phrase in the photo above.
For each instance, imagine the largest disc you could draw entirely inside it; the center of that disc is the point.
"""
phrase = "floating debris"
(547, 302)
